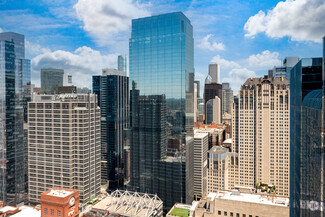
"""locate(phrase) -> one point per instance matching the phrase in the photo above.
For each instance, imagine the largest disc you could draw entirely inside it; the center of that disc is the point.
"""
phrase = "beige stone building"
(236, 204)
(64, 145)
(221, 169)
(261, 133)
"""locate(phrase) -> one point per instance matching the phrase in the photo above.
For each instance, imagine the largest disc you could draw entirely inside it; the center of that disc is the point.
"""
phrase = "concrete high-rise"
(64, 145)
(227, 98)
(161, 68)
(214, 72)
(306, 139)
(261, 133)
(112, 90)
(14, 94)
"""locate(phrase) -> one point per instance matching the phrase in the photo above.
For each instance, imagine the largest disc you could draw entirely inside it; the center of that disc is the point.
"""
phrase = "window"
(231, 214)
(52, 212)
(45, 212)
(225, 213)
(59, 213)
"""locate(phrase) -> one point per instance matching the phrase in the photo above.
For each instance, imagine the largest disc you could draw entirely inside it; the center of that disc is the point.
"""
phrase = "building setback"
(112, 90)
(64, 145)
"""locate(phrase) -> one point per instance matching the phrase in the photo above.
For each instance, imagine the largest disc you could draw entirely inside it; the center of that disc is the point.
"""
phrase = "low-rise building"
(236, 204)
(127, 203)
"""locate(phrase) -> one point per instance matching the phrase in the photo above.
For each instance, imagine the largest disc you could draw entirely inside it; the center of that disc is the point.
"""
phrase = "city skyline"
(239, 38)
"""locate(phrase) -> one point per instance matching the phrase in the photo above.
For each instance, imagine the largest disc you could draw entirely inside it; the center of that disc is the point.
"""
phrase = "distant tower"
(122, 64)
(227, 98)
(211, 90)
(214, 72)
(213, 111)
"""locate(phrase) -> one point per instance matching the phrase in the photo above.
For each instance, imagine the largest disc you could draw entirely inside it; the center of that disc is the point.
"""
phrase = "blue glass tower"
(113, 99)
(162, 72)
(306, 150)
(14, 74)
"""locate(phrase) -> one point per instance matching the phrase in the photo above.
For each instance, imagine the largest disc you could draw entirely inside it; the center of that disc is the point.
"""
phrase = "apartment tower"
(64, 145)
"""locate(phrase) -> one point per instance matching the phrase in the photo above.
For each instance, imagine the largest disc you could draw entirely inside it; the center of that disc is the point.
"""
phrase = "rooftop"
(59, 193)
(127, 203)
(179, 209)
(251, 198)
(28, 211)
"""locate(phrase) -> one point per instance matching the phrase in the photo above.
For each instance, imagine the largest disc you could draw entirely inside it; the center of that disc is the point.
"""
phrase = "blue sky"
(245, 37)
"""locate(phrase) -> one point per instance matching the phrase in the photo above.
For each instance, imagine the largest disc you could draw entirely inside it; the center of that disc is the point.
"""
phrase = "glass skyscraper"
(306, 149)
(112, 90)
(161, 72)
(14, 95)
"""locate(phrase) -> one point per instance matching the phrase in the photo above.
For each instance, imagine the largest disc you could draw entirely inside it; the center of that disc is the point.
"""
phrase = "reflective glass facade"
(113, 99)
(162, 71)
(306, 151)
(11, 129)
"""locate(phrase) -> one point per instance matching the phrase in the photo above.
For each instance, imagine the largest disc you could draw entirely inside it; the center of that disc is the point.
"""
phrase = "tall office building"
(213, 111)
(122, 64)
(214, 72)
(64, 145)
(112, 90)
(284, 70)
(14, 94)
(227, 98)
(52, 79)
(261, 133)
(161, 68)
(306, 147)
(201, 147)
(211, 90)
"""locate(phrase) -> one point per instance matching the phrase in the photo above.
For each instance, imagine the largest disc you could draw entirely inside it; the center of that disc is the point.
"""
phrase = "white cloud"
(205, 44)
(81, 64)
(224, 64)
(105, 19)
(1, 30)
(266, 59)
(238, 76)
(33, 49)
(301, 20)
